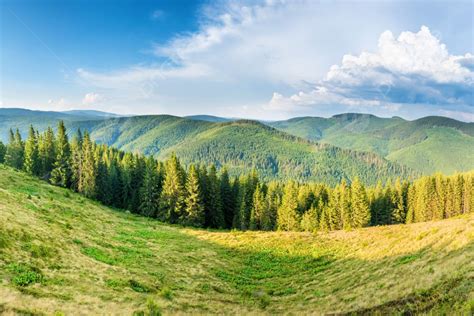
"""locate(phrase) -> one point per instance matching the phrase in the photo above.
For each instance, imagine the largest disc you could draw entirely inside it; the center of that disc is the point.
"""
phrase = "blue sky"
(258, 59)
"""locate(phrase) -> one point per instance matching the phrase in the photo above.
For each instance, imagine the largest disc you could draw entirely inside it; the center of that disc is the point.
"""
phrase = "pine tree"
(87, 182)
(150, 190)
(399, 212)
(359, 205)
(227, 197)
(47, 152)
(272, 202)
(173, 192)
(61, 173)
(287, 217)
(76, 160)
(31, 162)
(15, 150)
(216, 216)
(194, 208)
(258, 208)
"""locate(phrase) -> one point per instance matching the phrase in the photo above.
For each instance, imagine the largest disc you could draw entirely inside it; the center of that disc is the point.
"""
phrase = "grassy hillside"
(429, 144)
(60, 252)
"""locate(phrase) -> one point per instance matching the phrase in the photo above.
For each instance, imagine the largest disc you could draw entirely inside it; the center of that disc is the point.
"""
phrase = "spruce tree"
(76, 159)
(216, 216)
(61, 173)
(194, 208)
(87, 182)
(258, 208)
(150, 190)
(47, 152)
(272, 202)
(31, 163)
(173, 192)
(287, 217)
(228, 200)
(359, 205)
(15, 150)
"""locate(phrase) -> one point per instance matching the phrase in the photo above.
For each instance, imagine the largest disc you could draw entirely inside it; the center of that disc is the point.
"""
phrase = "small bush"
(25, 275)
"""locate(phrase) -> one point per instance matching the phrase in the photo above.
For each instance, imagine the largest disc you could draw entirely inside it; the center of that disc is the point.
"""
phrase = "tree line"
(201, 196)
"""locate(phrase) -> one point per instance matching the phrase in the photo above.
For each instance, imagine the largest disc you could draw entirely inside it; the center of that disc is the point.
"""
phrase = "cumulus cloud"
(412, 69)
(242, 52)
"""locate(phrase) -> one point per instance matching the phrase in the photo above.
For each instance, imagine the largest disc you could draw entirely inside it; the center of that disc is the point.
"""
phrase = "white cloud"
(92, 98)
(413, 69)
(242, 53)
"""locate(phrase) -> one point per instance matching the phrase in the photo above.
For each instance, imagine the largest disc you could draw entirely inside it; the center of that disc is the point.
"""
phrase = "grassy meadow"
(61, 253)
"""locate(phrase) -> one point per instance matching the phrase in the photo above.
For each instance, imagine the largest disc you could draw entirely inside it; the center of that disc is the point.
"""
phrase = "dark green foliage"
(203, 197)
(61, 173)
(151, 189)
(194, 209)
(15, 151)
(31, 163)
(3, 151)
(173, 193)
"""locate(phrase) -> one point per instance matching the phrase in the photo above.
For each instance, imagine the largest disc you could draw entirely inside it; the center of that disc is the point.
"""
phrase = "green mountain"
(22, 119)
(428, 144)
(241, 146)
(62, 254)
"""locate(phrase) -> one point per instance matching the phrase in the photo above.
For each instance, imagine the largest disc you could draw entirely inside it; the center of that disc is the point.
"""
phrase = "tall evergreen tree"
(61, 173)
(47, 152)
(194, 208)
(258, 208)
(359, 205)
(151, 189)
(87, 182)
(215, 214)
(15, 150)
(173, 192)
(287, 218)
(227, 197)
(31, 162)
(76, 160)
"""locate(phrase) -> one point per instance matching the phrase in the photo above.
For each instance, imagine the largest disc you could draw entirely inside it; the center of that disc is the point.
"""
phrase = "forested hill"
(428, 144)
(241, 146)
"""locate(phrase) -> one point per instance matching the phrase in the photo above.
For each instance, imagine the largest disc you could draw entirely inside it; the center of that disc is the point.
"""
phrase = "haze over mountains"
(305, 148)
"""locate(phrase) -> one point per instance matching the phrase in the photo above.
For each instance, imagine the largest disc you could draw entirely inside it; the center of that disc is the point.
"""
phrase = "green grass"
(62, 253)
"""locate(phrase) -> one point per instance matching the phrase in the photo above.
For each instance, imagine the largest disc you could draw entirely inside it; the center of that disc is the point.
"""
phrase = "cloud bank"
(412, 70)
(245, 54)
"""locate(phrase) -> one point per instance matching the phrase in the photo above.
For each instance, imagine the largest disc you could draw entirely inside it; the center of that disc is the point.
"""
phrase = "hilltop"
(427, 144)
(240, 146)
(61, 252)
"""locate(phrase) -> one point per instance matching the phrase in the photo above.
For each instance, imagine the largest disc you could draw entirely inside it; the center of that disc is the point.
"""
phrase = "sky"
(255, 59)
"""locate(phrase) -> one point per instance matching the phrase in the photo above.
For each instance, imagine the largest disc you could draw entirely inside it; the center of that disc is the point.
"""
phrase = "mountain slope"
(241, 146)
(62, 253)
(429, 144)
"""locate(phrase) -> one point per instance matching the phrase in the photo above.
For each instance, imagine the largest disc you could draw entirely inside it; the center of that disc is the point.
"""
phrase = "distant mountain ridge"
(425, 145)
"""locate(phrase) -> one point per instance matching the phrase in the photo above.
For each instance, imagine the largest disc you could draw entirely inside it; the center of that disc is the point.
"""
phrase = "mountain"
(428, 144)
(91, 113)
(209, 118)
(241, 146)
(22, 119)
(61, 253)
